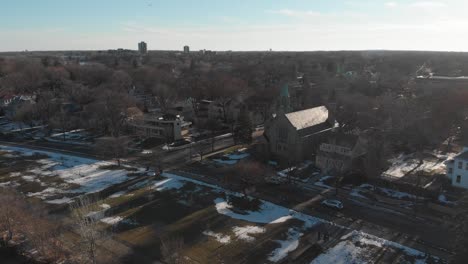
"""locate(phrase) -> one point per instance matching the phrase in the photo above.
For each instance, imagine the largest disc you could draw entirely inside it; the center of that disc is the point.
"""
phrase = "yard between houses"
(214, 224)
(408, 164)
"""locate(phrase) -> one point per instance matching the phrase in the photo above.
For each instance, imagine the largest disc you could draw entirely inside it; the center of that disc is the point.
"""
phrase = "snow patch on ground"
(444, 200)
(356, 193)
(5, 184)
(238, 156)
(29, 178)
(184, 179)
(403, 164)
(397, 194)
(60, 201)
(169, 183)
(46, 193)
(282, 219)
(358, 247)
(84, 172)
(321, 182)
(286, 246)
(233, 158)
(105, 206)
(245, 232)
(342, 253)
(112, 220)
(268, 212)
(223, 239)
(117, 194)
(227, 162)
(350, 250)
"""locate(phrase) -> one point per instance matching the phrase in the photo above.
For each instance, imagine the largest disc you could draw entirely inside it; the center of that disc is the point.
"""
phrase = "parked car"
(177, 144)
(275, 180)
(335, 204)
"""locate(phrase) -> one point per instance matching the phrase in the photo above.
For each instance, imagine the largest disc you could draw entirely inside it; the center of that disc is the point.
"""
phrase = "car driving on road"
(335, 204)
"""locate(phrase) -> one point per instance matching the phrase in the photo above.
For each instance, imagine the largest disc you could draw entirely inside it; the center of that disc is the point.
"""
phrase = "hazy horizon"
(296, 25)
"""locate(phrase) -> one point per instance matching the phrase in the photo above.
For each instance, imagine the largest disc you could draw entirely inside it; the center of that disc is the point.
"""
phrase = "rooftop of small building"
(462, 156)
(441, 77)
(308, 117)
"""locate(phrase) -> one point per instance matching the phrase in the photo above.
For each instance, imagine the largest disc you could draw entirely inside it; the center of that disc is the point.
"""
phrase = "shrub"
(244, 203)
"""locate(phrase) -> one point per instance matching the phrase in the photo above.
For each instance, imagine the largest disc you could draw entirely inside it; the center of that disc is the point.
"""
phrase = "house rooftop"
(463, 156)
(441, 77)
(308, 117)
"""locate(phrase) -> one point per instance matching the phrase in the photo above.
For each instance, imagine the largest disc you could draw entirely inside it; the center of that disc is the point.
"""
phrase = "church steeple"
(284, 100)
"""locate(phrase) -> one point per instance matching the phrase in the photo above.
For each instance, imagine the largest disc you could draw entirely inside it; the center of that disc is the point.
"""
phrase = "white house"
(457, 169)
(168, 127)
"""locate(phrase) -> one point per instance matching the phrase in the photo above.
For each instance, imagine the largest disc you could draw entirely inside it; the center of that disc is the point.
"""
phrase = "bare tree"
(113, 147)
(252, 173)
(61, 120)
(114, 106)
(45, 234)
(200, 148)
(25, 114)
(12, 210)
(212, 125)
(45, 106)
(171, 249)
(19, 218)
(88, 227)
(242, 132)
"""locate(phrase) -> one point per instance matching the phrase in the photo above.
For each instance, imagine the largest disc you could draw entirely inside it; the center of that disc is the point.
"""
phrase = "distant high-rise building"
(142, 48)
(186, 49)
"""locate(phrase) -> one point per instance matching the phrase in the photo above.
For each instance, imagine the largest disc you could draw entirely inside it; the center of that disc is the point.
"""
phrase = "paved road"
(174, 158)
(168, 158)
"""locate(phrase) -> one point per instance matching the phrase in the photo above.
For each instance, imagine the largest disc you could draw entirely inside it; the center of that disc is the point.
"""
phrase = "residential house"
(435, 84)
(167, 127)
(147, 100)
(12, 104)
(340, 153)
(295, 136)
(133, 113)
(6, 99)
(203, 111)
(457, 169)
(183, 108)
(228, 110)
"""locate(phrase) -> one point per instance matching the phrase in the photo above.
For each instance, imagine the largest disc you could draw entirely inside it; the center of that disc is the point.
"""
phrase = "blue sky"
(234, 24)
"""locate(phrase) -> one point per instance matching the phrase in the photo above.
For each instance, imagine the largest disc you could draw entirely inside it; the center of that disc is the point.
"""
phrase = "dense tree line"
(368, 89)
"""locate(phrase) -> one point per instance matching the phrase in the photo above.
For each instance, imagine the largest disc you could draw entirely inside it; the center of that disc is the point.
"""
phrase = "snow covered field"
(63, 176)
(355, 247)
(358, 247)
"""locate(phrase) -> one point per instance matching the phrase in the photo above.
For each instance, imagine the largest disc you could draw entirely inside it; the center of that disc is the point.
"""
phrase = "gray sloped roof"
(462, 156)
(308, 117)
